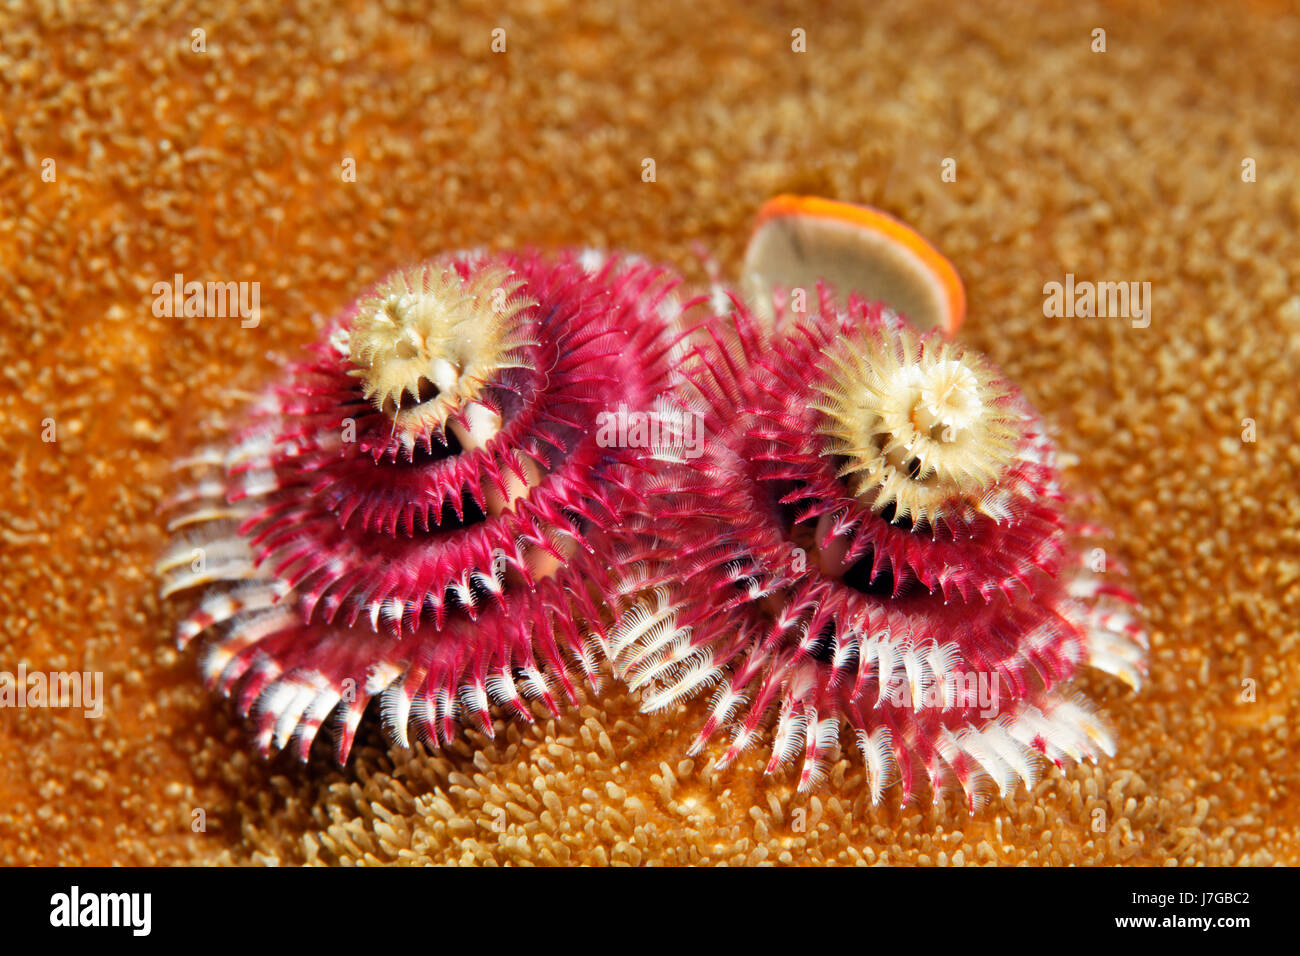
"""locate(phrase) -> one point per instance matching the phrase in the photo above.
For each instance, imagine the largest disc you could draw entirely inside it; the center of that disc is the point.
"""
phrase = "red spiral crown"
(412, 512)
(881, 541)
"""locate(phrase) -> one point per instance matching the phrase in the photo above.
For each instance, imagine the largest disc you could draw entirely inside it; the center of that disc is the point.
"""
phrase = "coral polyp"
(411, 513)
(895, 553)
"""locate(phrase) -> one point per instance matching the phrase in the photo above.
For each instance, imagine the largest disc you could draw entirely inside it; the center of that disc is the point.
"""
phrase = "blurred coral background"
(226, 165)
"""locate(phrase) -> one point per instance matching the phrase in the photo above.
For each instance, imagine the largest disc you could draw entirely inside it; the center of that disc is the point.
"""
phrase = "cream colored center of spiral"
(427, 344)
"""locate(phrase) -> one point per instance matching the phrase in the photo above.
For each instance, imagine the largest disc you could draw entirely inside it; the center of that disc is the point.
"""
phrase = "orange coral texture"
(226, 165)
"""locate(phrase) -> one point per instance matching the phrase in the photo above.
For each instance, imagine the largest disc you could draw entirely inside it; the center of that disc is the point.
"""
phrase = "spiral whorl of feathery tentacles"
(411, 515)
(881, 518)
